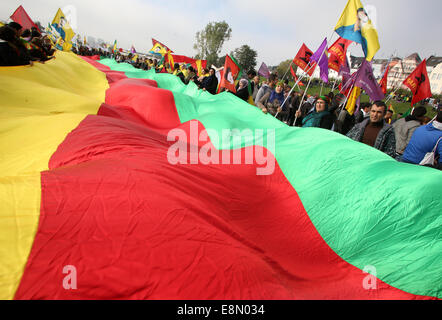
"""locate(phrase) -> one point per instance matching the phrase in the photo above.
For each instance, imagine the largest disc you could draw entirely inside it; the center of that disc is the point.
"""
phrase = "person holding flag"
(320, 117)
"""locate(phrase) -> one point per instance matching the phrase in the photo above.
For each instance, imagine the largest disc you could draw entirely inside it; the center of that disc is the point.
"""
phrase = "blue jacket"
(424, 140)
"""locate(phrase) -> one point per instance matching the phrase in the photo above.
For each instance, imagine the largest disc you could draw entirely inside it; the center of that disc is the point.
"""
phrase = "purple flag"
(264, 71)
(132, 50)
(321, 57)
(366, 81)
(345, 72)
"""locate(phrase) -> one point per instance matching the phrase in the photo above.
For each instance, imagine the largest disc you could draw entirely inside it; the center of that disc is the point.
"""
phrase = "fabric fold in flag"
(104, 134)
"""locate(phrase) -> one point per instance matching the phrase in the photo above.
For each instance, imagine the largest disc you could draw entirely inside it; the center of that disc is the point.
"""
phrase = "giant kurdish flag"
(86, 182)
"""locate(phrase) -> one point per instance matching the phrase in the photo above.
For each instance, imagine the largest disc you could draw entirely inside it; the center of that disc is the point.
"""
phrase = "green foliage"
(210, 41)
(283, 67)
(246, 57)
(221, 61)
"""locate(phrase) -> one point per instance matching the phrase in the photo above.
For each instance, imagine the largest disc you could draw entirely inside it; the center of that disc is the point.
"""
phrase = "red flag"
(383, 82)
(419, 83)
(183, 59)
(294, 76)
(302, 60)
(338, 53)
(165, 47)
(231, 71)
(20, 16)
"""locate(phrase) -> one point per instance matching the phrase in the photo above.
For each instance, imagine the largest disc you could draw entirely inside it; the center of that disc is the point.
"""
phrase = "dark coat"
(210, 83)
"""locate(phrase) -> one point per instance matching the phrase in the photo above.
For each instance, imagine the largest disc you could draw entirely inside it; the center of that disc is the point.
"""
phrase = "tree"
(221, 61)
(210, 41)
(246, 57)
(283, 67)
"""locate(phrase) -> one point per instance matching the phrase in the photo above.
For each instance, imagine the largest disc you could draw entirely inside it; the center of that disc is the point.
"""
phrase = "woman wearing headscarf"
(320, 117)
(243, 90)
(275, 101)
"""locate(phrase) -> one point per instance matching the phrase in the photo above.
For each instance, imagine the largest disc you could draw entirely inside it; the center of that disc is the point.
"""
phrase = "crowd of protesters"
(19, 46)
(408, 139)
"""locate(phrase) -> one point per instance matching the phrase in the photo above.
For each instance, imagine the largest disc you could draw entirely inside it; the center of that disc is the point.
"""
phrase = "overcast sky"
(276, 29)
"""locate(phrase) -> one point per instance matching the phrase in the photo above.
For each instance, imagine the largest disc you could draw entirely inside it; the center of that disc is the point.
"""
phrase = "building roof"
(433, 61)
(380, 61)
(355, 62)
(414, 56)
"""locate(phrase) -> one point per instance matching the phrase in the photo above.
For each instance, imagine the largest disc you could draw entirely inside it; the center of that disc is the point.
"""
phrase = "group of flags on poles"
(354, 25)
(59, 30)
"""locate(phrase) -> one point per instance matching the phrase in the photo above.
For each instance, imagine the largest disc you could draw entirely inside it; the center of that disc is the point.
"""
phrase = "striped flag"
(120, 183)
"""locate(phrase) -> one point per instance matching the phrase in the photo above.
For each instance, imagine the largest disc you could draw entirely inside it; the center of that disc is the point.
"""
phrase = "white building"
(401, 70)
(436, 79)
(432, 62)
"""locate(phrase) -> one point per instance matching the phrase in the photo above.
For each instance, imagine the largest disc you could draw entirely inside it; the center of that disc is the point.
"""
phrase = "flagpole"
(391, 94)
(291, 90)
(302, 99)
(308, 85)
(346, 98)
(322, 54)
(334, 84)
(287, 71)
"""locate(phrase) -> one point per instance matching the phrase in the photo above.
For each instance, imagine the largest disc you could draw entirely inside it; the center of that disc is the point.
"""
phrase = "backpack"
(430, 157)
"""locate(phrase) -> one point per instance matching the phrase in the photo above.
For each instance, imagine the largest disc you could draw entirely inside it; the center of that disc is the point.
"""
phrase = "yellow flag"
(170, 60)
(250, 100)
(158, 48)
(351, 103)
(355, 25)
(199, 67)
(61, 25)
